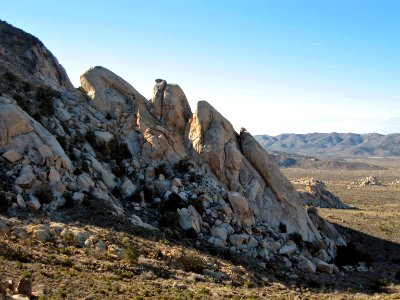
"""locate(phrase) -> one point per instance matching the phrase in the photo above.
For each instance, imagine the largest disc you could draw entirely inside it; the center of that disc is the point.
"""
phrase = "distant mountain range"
(334, 144)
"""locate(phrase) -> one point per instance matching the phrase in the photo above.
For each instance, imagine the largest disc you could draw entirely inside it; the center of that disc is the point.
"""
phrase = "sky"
(269, 66)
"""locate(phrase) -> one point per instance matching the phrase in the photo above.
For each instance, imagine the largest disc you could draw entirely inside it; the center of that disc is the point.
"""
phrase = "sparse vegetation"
(183, 165)
(45, 96)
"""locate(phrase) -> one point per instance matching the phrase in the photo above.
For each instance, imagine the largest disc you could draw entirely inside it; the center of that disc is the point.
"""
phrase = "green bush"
(183, 165)
(4, 203)
(131, 254)
(192, 262)
(44, 194)
(197, 204)
(45, 96)
(161, 169)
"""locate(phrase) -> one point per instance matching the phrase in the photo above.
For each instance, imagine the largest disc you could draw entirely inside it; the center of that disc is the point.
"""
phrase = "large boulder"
(171, 107)
(109, 93)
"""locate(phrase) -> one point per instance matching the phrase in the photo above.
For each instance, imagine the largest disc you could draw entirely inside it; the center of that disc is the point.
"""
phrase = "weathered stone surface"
(128, 188)
(288, 208)
(103, 137)
(33, 203)
(27, 54)
(209, 133)
(288, 248)
(21, 201)
(54, 175)
(149, 173)
(305, 265)
(323, 267)
(26, 177)
(241, 208)
(238, 239)
(13, 122)
(85, 182)
(12, 156)
(137, 221)
(221, 231)
(189, 218)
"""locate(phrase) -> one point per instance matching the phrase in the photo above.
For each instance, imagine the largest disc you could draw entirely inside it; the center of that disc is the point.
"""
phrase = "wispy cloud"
(317, 44)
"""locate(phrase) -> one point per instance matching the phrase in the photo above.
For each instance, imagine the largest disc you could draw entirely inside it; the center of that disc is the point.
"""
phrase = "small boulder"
(54, 175)
(12, 156)
(26, 177)
(21, 202)
(288, 248)
(189, 218)
(305, 265)
(149, 174)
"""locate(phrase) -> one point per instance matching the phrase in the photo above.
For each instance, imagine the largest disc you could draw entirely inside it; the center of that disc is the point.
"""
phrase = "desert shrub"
(161, 169)
(183, 165)
(4, 202)
(62, 140)
(131, 253)
(23, 103)
(397, 276)
(194, 177)
(136, 197)
(45, 96)
(172, 204)
(9, 76)
(85, 166)
(44, 194)
(121, 151)
(119, 170)
(197, 204)
(69, 201)
(192, 262)
(26, 87)
(297, 239)
(282, 228)
(117, 192)
(148, 193)
(168, 219)
(91, 137)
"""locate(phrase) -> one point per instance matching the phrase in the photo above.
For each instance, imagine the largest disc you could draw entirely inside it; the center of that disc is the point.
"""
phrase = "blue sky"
(269, 66)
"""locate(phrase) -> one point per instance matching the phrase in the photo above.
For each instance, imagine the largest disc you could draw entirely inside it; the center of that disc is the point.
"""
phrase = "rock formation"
(108, 143)
(317, 194)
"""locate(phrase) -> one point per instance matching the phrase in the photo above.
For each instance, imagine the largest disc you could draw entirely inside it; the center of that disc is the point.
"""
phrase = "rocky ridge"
(154, 163)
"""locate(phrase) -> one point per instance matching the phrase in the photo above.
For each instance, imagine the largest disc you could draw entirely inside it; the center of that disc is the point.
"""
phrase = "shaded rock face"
(194, 168)
(29, 59)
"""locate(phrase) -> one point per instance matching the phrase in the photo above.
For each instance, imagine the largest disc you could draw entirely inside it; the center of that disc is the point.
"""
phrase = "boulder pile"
(367, 181)
(317, 194)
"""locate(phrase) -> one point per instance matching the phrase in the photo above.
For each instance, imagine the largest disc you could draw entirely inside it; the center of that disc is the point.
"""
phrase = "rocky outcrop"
(27, 58)
(246, 168)
(317, 194)
(155, 165)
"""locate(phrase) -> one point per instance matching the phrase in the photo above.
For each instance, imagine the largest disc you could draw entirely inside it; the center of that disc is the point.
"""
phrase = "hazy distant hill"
(292, 160)
(334, 144)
